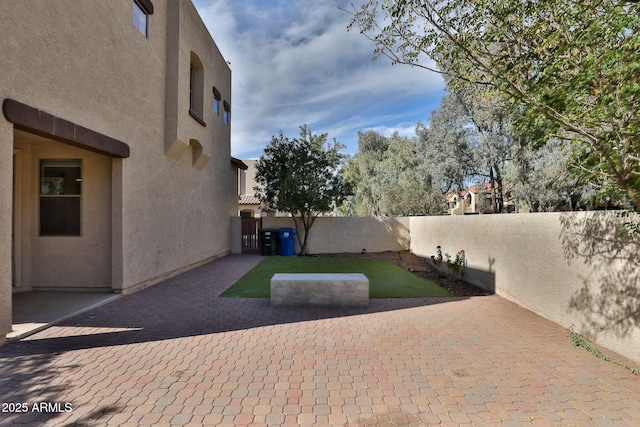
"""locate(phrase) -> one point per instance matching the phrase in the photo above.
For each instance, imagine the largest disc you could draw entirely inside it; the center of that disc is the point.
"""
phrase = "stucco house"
(248, 204)
(116, 169)
(475, 200)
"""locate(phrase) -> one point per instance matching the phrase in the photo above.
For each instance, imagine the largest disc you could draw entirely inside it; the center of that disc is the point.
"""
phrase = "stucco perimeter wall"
(351, 234)
(568, 267)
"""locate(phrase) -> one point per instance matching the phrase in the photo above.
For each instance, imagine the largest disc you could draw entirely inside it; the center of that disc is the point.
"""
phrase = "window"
(196, 87)
(216, 101)
(192, 82)
(227, 111)
(140, 18)
(60, 192)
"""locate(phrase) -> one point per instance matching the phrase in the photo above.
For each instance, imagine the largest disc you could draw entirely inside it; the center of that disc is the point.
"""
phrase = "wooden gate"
(251, 235)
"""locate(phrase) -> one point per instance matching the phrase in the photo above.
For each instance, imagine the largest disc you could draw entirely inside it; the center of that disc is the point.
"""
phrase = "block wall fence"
(571, 268)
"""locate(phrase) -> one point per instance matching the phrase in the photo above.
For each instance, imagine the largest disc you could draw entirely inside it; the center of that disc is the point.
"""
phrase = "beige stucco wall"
(167, 210)
(186, 203)
(6, 203)
(568, 267)
(248, 177)
(351, 234)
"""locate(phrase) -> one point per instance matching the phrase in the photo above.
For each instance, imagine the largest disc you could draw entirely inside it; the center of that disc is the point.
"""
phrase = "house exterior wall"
(188, 216)
(458, 206)
(253, 210)
(248, 178)
(6, 203)
(71, 262)
(168, 205)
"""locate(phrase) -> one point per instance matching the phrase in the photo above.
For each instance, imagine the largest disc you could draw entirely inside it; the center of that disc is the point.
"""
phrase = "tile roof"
(248, 199)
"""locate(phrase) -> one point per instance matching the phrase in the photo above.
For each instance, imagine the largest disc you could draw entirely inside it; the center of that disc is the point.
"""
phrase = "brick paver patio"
(175, 354)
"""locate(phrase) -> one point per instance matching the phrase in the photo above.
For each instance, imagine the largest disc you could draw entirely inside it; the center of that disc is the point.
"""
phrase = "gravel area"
(420, 267)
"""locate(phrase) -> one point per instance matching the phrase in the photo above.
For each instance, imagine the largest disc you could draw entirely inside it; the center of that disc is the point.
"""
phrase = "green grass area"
(386, 280)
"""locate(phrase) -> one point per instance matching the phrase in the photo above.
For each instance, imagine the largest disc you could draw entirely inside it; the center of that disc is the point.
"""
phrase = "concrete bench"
(320, 289)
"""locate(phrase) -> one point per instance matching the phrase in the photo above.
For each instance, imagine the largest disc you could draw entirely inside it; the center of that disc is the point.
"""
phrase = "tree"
(361, 173)
(406, 189)
(492, 140)
(469, 137)
(387, 179)
(569, 69)
(444, 145)
(301, 176)
(540, 181)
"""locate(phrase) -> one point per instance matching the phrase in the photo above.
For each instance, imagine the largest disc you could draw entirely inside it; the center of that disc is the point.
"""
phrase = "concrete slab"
(36, 310)
(320, 289)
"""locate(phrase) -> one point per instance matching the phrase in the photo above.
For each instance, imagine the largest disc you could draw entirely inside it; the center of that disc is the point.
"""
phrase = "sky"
(293, 62)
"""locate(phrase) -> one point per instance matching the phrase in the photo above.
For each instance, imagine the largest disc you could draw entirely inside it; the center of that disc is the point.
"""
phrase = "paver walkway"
(175, 354)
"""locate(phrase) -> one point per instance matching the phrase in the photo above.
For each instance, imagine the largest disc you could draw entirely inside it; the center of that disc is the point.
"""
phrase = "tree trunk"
(499, 191)
(494, 205)
(307, 222)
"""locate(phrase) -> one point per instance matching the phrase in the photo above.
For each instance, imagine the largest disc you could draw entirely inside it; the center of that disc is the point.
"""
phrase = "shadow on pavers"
(188, 305)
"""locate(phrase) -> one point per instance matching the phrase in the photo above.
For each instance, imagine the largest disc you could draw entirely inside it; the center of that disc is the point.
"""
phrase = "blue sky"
(293, 62)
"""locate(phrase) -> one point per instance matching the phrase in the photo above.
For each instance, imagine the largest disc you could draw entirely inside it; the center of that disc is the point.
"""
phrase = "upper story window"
(140, 18)
(216, 101)
(141, 11)
(227, 112)
(196, 88)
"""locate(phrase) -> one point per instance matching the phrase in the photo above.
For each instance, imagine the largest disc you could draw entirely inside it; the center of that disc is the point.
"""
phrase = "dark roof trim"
(36, 121)
(217, 94)
(239, 163)
(146, 5)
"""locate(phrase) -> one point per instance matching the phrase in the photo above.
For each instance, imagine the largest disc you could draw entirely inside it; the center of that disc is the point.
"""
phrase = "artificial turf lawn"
(386, 279)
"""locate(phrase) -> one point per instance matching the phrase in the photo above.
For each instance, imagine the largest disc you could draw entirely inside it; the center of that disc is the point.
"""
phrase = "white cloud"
(295, 63)
(402, 129)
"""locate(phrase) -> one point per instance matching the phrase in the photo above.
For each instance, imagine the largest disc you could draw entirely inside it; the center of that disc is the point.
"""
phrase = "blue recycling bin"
(286, 241)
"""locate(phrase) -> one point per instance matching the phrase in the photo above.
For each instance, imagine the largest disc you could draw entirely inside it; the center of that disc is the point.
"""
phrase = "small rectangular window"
(216, 101)
(227, 112)
(140, 18)
(60, 197)
(192, 79)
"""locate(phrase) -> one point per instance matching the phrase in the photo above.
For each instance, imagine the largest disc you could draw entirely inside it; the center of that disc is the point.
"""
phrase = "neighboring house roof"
(475, 189)
(455, 194)
(239, 163)
(248, 199)
(486, 187)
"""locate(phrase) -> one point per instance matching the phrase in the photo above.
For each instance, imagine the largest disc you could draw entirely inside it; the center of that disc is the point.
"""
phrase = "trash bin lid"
(286, 232)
